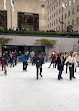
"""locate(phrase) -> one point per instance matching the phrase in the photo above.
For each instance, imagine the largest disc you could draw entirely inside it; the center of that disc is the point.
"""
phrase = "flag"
(12, 5)
(63, 5)
(4, 4)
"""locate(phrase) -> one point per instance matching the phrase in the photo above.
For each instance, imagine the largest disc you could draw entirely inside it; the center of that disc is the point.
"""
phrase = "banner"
(4, 4)
(12, 5)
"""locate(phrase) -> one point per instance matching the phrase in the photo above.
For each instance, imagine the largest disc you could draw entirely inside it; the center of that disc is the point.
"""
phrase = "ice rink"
(20, 91)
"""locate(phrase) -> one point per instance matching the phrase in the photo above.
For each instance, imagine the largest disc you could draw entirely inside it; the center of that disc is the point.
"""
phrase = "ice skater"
(3, 62)
(53, 58)
(24, 60)
(39, 63)
(60, 62)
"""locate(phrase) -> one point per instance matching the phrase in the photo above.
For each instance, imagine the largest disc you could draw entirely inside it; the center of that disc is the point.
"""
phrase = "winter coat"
(60, 63)
(24, 58)
(11, 59)
(39, 62)
(71, 60)
(53, 58)
(3, 61)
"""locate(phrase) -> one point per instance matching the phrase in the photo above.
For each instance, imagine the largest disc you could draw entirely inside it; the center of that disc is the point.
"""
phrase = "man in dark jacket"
(15, 57)
(39, 62)
(60, 62)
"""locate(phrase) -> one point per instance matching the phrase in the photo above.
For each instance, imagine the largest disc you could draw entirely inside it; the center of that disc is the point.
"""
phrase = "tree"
(46, 42)
(3, 41)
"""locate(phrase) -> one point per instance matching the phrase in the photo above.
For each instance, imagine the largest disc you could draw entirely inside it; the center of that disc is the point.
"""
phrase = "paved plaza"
(20, 91)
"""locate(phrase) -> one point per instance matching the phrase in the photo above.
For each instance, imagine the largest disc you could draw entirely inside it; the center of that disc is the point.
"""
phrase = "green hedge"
(32, 33)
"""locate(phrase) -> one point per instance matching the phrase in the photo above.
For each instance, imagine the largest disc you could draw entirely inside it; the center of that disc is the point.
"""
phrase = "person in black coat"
(60, 62)
(15, 57)
(11, 60)
(39, 62)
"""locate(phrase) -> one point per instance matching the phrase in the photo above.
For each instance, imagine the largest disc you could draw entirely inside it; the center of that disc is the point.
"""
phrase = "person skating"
(53, 58)
(77, 59)
(56, 55)
(3, 62)
(72, 62)
(39, 62)
(75, 64)
(66, 56)
(32, 54)
(24, 60)
(60, 63)
(11, 60)
(6, 57)
(15, 57)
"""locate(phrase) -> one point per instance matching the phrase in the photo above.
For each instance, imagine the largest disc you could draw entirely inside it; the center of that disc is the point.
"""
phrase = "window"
(50, 24)
(56, 28)
(48, 18)
(59, 10)
(59, 2)
(54, 22)
(73, 11)
(78, 20)
(69, 14)
(68, 23)
(52, 8)
(59, 19)
(56, 12)
(52, 15)
(65, 15)
(73, 1)
(78, 8)
(29, 21)
(72, 22)
(3, 20)
(69, 2)
(59, 28)
(48, 11)
(65, 25)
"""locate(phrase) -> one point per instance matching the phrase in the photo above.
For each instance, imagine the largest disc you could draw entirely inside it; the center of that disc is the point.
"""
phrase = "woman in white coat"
(72, 64)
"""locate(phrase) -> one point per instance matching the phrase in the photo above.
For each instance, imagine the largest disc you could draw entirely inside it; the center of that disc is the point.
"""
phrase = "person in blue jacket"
(24, 60)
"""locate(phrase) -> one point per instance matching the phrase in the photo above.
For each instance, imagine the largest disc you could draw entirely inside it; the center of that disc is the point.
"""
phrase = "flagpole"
(11, 3)
(4, 18)
(62, 19)
(4, 13)
(11, 16)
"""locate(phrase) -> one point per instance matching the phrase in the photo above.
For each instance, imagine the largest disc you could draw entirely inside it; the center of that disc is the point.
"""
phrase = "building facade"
(70, 14)
(29, 14)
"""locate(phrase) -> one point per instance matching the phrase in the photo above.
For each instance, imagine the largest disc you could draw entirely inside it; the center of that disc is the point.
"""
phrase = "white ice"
(20, 91)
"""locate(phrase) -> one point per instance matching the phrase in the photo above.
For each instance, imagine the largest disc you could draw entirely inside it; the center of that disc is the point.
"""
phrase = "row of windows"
(60, 10)
(69, 13)
(56, 22)
(60, 1)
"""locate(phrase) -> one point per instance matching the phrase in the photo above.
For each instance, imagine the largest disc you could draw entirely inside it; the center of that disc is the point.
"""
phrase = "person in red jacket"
(3, 62)
(53, 58)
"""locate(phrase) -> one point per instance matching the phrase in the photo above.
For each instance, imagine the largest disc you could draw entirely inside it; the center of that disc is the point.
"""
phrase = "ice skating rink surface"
(20, 91)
